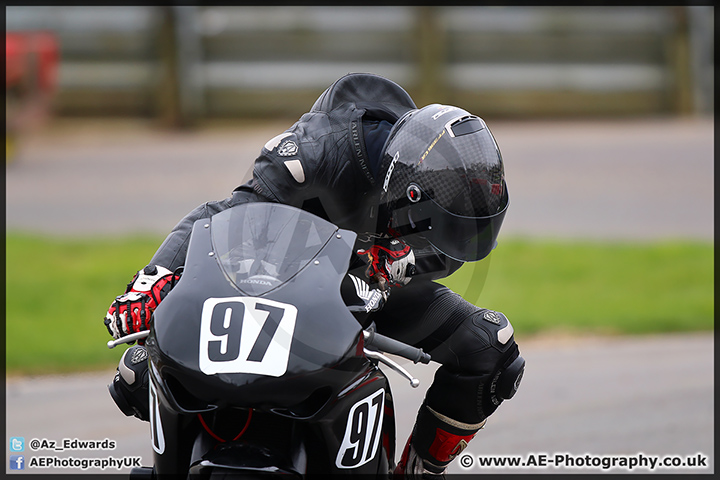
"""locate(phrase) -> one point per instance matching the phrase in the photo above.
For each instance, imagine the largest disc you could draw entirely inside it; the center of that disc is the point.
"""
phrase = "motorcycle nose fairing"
(257, 324)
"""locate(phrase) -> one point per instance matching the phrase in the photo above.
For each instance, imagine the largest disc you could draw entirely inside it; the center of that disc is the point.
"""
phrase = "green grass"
(596, 288)
(58, 291)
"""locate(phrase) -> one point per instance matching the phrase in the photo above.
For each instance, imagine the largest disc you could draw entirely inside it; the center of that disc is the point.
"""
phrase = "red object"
(380, 258)
(132, 311)
(33, 57)
(220, 439)
(447, 446)
(31, 65)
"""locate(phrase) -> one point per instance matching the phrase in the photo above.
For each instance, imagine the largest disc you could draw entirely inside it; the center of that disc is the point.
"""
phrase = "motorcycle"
(258, 367)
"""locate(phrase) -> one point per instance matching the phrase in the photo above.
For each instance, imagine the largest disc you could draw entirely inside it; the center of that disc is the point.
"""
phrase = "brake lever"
(414, 382)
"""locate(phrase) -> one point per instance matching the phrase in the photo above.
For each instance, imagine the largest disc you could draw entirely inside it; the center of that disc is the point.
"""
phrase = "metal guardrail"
(189, 62)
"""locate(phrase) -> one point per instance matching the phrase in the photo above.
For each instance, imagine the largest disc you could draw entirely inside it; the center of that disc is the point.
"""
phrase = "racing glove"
(132, 311)
(391, 263)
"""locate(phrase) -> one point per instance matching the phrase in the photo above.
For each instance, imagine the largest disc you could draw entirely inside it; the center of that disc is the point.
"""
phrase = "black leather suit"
(323, 164)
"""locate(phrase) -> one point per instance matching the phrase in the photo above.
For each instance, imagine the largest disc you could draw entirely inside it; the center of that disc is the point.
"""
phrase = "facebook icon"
(17, 462)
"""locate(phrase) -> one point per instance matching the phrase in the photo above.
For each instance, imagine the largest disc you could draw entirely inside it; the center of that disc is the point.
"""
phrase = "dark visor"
(466, 239)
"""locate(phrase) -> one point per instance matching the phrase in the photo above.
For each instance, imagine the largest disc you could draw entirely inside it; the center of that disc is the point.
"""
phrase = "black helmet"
(444, 181)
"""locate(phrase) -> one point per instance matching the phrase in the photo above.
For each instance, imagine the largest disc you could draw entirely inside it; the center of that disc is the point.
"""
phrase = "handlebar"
(371, 338)
(395, 347)
(388, 345)
(128, 338)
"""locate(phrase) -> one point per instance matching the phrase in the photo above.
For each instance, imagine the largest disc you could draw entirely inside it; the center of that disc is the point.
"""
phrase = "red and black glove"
(391, 263)
(132, 311)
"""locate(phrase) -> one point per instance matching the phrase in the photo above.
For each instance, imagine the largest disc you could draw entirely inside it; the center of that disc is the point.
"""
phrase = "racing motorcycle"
(258, 367)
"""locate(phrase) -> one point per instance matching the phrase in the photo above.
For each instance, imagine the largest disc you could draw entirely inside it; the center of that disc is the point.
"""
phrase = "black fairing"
(324, 355)
(310, 401)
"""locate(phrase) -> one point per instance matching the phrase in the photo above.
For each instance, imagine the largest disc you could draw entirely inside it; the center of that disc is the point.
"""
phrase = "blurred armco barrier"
(188, 63)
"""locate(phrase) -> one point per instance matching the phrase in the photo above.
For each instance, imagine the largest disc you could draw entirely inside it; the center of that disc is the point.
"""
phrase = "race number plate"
(362, 433)
(246, 335)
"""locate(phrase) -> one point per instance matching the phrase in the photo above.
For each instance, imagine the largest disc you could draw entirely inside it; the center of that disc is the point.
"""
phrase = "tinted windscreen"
(263, 245)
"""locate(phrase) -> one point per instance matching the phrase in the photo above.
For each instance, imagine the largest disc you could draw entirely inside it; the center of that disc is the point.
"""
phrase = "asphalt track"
(621, 180)
(605, 397)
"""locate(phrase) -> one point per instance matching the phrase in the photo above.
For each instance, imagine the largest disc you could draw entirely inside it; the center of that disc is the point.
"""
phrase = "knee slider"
(510, 366)
(129, 388)
(506, 381)
(503, 383)
(495, 370)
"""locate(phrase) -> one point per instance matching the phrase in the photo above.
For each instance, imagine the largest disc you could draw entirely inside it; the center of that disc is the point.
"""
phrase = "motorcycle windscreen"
(261, 246)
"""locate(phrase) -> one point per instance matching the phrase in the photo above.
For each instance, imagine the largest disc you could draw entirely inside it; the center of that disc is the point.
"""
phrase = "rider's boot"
(434, 442)
(130, 386)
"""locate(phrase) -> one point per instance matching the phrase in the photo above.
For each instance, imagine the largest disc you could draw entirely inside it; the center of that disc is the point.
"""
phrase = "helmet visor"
(466, 239)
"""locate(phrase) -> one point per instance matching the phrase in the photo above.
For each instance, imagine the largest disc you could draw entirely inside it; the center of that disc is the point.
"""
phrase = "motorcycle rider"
(424, 188)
